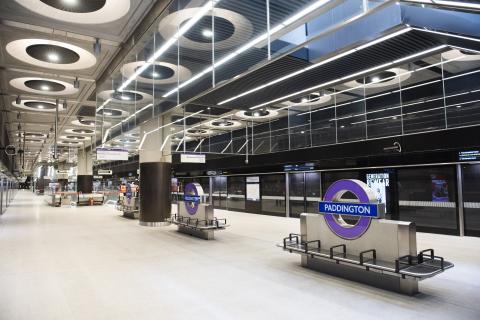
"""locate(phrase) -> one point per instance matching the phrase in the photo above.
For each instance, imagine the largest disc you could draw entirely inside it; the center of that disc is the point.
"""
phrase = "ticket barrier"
(378, 252)
(195, 217)
(58, 199)
(130, 207)
(90, 199)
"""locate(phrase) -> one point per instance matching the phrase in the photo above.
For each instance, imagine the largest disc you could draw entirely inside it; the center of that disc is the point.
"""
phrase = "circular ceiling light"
(69, 143)
(230, 29)
(133, 135)
(313, 101)
(43, 86)
(38, 105)
(158, 73)
(224, 124)
(80, 131)
(127, 141)
(125, 96)
(461, 55)
(79, 11)
(381, 79)
(260, 114)
(84, 122)
(199, 132)
(73, 137)
(34, 135)
(112, 113)
(51, 54)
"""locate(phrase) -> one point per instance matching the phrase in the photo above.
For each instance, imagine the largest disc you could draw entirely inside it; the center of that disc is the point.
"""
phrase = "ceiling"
(48, 56)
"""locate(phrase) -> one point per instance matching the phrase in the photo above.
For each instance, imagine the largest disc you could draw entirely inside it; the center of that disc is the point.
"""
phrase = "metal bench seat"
(421, 266)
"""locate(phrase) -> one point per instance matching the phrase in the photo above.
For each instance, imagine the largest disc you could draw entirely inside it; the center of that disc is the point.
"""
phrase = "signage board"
(351, 209)
(298, 167)
(62, 171)
(253, 179)
(471, 155)
(192, 158)
(112, 154)
(102, 172)
(212, 173)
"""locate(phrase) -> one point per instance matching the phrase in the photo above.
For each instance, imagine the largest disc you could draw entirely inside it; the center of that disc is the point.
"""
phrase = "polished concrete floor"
(90, 263)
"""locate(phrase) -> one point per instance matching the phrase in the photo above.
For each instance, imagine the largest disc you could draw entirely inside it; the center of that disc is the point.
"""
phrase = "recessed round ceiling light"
(157, 73)
(126, 98)
(53, 57)
(207, 33)
(79, 11)
(304, 100)
(51, 54)
(40, 106)
(235, 28)
(45, 88)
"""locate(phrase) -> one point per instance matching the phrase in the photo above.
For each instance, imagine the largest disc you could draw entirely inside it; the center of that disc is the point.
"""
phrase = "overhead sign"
(192, 158)
(472, 155)
(112, 154)
(102, 172)
(298, 167)
(62, 171)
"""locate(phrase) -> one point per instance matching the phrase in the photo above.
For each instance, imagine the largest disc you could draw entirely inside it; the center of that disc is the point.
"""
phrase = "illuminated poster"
(379, 182)
(253, 188)
(439, 189)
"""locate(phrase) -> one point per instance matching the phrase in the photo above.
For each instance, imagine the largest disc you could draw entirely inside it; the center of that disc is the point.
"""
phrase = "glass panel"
(313, 191)
(297, 194)
(273, 194)
(219, 192)
(471, 198)
(236, 193)
(427, 197)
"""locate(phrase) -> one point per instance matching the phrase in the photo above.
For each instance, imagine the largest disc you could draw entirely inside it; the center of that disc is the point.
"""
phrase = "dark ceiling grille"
(387, 51)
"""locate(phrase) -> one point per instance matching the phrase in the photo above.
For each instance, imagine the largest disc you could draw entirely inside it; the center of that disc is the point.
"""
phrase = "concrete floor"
(89, 263)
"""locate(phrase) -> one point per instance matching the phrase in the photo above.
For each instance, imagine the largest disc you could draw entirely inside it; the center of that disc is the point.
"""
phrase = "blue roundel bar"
(352, 209)
(189, 198)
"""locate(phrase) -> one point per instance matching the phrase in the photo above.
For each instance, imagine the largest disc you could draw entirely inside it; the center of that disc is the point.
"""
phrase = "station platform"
(90, 263)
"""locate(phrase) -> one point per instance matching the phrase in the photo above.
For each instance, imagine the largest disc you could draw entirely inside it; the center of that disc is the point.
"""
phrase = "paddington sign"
(351, 209)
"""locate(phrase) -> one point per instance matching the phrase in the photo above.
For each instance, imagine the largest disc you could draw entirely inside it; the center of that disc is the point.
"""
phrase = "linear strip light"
(456, 4)
(228, 145)
(164, 126)
(318, 64)
(170, 42)
(179, 144)
(365, 71)
(104, 104)
(254, 42)
(448, 34)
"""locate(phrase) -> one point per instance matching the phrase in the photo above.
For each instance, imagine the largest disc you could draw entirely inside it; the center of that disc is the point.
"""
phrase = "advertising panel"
(379, 182)
(439, 188)
(112, 154)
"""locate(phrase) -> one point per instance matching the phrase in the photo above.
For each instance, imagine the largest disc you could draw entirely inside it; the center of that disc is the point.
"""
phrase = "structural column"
(84, 171)
(155, 175)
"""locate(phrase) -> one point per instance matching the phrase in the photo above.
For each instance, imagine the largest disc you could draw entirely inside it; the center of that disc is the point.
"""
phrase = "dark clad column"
(155, 202)
(84, 183)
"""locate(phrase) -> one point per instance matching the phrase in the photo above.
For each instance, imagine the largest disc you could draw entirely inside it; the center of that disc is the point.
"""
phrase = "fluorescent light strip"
(316, 65)
(104, 104)
(456, 4)
(253, 43)
(170, 42)
(448, 34)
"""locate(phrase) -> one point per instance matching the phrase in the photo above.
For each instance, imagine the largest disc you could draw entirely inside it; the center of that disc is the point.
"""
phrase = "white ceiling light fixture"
(18, 50)
(112, 10)
(317, 4)
(180, 73)
(170, 42)
(318, 64)
(46, 88)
